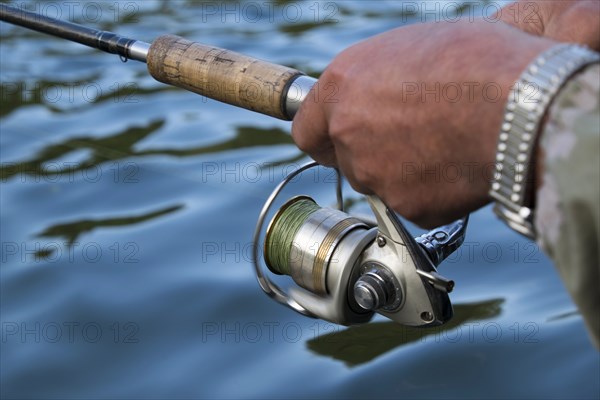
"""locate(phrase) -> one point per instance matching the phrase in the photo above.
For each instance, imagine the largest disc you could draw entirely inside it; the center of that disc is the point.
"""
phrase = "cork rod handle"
(222, 75)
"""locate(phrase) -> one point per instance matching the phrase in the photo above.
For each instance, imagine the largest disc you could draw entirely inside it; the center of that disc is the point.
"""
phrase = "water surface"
(127, 212)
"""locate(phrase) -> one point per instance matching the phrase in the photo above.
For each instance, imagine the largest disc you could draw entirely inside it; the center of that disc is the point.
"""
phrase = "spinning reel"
(348, 268)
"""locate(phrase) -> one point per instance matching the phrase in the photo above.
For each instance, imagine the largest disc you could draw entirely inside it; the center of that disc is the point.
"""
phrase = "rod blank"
(216, 73)
(98, 39)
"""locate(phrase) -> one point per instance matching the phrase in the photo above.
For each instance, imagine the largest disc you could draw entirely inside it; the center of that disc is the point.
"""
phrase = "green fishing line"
(281, 235)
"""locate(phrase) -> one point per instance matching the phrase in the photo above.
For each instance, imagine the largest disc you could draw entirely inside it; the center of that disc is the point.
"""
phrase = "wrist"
(517, 165)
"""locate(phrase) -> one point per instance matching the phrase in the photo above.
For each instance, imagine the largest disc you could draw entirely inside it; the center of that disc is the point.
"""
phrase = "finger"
(310, 129)
(347, 168)
(527, 16)
(566, 26)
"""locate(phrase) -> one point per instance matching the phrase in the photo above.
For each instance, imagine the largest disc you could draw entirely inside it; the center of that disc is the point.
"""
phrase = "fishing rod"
(216, 73)
(346, 268)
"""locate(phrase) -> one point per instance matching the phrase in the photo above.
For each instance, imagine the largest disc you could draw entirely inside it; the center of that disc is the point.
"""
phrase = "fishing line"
(282, 230)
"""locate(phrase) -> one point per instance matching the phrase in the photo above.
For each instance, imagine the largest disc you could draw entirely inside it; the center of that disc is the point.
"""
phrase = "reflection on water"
(122, 146)
(246, 136)
(562, 316)
(114, 147)
(298, 29)
(71, 231)
(360, 344)
(84, 93)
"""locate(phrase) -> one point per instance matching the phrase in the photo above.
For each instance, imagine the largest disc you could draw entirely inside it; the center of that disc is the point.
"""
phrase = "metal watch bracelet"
(513, 185)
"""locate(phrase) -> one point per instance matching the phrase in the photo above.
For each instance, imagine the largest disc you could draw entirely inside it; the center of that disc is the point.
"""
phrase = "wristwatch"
(513, 186)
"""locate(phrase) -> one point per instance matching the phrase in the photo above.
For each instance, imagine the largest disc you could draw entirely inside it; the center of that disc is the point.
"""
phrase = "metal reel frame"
(267, 285)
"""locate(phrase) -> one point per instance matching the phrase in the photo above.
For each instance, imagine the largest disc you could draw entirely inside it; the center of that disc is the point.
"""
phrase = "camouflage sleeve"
(567, 216)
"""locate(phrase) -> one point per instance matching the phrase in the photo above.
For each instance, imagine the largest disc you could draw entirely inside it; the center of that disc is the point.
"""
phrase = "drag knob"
(373, 292)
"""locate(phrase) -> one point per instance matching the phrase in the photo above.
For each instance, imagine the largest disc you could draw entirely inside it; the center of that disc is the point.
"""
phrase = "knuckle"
(338, 130)
(356, 186)
(365, 177)
(336, 72)
(299, 138)
(411, 210)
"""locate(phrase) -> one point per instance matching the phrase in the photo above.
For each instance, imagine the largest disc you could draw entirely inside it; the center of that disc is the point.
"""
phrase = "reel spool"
(347, 269)
(301, 239)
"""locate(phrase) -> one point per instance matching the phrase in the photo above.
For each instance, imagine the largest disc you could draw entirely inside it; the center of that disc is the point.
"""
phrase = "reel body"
(348, 268)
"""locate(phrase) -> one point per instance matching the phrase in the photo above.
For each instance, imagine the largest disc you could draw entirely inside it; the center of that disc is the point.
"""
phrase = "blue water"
(127, 211)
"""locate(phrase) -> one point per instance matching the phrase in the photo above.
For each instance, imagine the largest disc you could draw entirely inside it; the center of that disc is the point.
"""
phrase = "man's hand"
(413, 114)
(574, 21)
